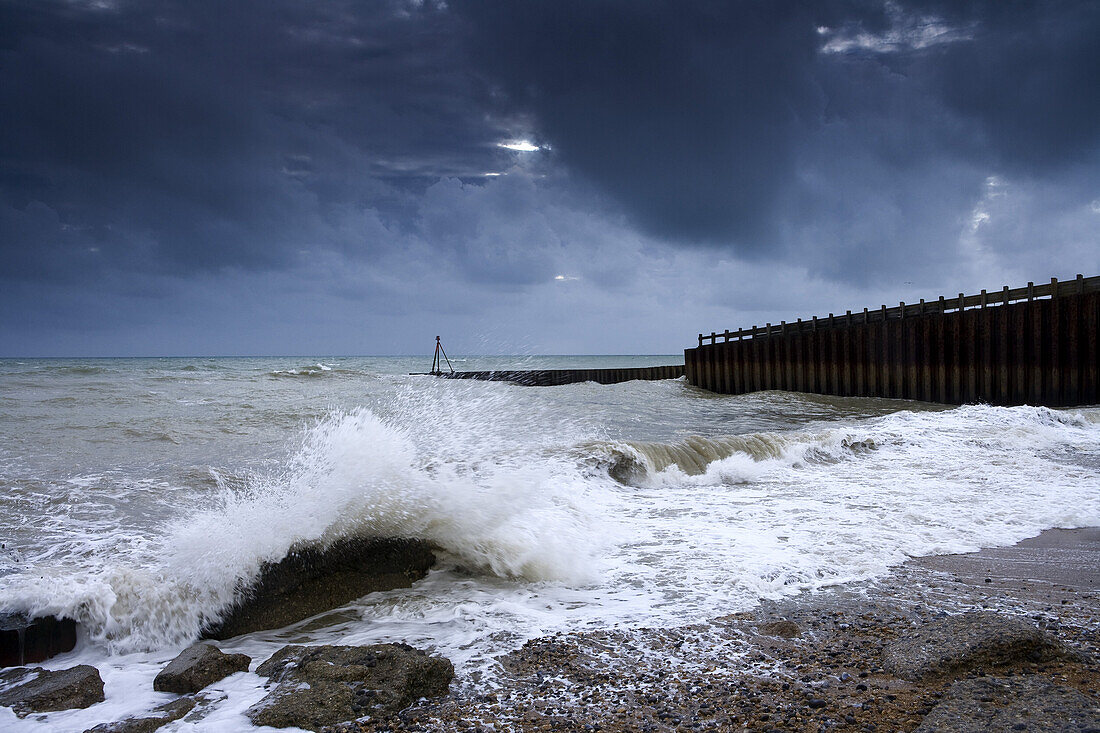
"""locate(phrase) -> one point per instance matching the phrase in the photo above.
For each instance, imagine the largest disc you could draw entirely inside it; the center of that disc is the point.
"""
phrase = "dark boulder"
(198, 666)
(25, 640)
(161, 716)
(315, 579)
(324, 685)
(956, 645)
(39, 690)
(1018, 703)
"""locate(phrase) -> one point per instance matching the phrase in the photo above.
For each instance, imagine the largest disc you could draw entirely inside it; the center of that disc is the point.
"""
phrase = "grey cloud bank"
(271, 178)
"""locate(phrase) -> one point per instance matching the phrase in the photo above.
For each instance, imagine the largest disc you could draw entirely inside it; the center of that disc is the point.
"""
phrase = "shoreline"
(826, 659)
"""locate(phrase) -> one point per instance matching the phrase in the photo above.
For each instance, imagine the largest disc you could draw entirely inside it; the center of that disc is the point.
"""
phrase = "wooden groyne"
(1032, 345)
(552, 377)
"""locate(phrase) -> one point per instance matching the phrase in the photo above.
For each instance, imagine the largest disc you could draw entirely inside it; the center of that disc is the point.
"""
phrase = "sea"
(138, 495)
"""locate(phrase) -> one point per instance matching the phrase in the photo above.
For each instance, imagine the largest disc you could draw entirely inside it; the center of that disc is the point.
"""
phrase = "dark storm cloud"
(194, 136)
(700, 118)
(329, 159)
(1027, 79)
(684, 112)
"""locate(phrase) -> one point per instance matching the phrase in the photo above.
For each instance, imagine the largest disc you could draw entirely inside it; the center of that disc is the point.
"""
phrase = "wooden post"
(737, 365)
(972, 351)
(1054, 395)
(715, 361)
(1004, 341)
(985, 353)
(845, 365)
(721, 356)
(799, 359)
(767, 363)
(1038, 352)
(757, 362)
(1072, 365)
(813, 359)
(926, 353)
(1090, 304)
(958, 371)
(880, 363)
(787, 360)
(708, 367)
(1021, 313)
(910, 388)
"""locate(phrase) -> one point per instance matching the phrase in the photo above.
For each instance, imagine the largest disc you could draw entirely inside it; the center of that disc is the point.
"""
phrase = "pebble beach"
(1011, 639)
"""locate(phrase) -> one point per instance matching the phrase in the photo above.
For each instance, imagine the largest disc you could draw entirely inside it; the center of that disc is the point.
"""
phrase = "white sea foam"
(846, 503)
(562, 527)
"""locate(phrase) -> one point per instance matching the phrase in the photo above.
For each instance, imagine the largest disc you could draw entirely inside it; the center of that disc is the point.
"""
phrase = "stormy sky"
(317, 178)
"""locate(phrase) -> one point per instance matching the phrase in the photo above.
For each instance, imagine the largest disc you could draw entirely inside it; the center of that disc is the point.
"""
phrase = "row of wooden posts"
(1030, 345)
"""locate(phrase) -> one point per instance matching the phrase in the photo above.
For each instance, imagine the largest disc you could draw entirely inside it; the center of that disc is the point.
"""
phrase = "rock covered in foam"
(198, 666)
(162, 716)
(958, 644)
(315, 579)
(46, 690)
(324, 685)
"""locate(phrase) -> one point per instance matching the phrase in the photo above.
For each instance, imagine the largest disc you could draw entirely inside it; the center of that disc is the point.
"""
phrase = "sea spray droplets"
(357, 475)
(526, 513)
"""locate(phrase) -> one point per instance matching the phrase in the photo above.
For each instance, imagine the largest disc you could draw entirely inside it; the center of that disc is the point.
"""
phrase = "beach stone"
(196, 667)
(325, 685)
(46, 690)
(1018, 703)
(313, 579)
(959, 644)
(784, 629)
(162, 716)
(25, 640)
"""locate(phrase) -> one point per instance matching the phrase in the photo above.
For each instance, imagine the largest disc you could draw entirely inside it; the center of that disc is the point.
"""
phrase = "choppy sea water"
(137, 494)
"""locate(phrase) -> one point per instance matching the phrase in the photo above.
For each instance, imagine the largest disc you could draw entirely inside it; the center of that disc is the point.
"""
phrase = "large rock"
(956, 645)
(786, 629)
(198, 666)
(25, 640)
(1018, 703)
(325, 685)
(161, 716)
(41, 691)
(315, 579)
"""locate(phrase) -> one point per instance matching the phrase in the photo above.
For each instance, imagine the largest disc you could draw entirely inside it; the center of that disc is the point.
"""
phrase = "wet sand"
(821, 660)
(1056, 558)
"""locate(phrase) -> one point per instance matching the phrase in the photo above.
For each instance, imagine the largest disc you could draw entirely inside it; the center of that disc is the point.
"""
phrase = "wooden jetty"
(1032, 345)
(552, 377)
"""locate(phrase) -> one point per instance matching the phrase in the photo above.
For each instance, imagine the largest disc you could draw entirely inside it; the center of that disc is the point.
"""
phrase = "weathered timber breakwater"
(1034, 345)
(554, 377)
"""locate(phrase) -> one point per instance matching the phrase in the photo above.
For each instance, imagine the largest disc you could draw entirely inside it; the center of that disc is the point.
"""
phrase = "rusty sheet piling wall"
(1035, 345)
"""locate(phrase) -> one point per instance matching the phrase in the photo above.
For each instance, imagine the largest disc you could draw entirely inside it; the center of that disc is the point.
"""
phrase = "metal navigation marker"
(437, 365)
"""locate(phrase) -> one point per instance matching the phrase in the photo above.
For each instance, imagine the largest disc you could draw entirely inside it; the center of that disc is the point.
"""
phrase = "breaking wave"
(354, 475)
(311, 370)
(514, 493)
